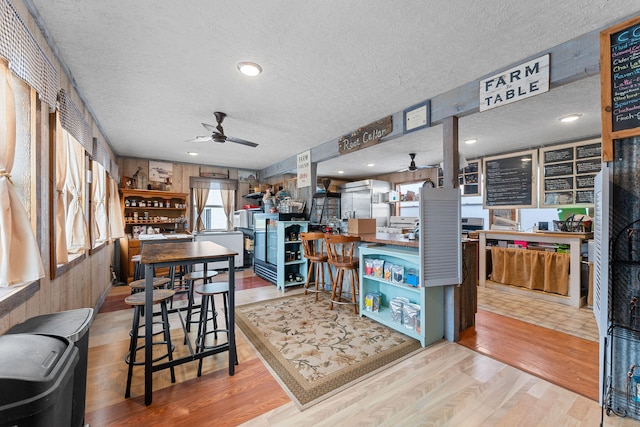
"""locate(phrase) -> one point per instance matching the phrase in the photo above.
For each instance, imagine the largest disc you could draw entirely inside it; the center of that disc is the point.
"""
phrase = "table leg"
(232, 317)
(148, 333)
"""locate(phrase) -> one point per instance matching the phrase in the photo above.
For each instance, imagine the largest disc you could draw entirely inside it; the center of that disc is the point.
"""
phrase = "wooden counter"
(389, 239)
(573, 240)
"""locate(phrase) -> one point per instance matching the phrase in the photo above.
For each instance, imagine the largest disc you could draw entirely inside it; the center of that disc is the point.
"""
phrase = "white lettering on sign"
(521, 82)
(365, 136)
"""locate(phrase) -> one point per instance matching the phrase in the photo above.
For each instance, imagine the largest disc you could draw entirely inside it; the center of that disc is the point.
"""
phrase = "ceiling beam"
(571, 61)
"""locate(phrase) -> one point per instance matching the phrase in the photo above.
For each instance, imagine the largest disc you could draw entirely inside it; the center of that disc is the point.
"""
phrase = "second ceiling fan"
(218, 135)
(412, 166)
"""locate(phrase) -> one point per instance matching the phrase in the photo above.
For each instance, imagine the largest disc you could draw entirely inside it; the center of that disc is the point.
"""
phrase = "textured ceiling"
(153, 70)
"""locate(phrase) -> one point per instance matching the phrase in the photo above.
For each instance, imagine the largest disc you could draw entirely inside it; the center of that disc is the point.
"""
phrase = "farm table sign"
(517, 83)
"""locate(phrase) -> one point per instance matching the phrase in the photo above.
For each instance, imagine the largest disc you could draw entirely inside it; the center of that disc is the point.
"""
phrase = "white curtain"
(62, 257)
(99, 203)
(76, 226)
(116, 225)
(20, 261)
(228, 203)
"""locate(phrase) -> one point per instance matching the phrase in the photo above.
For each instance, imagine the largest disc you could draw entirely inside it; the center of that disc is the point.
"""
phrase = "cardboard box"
(362, 226)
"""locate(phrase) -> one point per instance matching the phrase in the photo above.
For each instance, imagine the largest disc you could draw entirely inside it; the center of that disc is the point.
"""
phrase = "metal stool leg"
(132, 348)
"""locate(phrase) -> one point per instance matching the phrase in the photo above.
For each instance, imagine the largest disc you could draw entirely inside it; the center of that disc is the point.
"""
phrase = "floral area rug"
(315, 352)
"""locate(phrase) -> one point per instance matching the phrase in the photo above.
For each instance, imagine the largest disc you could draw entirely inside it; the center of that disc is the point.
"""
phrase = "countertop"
(389, 239)
(396, 239)
(562, 234)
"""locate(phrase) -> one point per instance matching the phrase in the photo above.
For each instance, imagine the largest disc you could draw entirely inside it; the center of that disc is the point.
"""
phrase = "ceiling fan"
(218, 135)
(412, 166)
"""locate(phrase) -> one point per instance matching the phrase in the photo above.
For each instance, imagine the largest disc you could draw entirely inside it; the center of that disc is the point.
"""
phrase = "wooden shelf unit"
(175, 220)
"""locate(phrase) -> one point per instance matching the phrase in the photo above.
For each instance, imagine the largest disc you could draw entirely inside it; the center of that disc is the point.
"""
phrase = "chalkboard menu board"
(620, 83)
(625, 78)
(469, 178)
(568, 173)
(509, 180)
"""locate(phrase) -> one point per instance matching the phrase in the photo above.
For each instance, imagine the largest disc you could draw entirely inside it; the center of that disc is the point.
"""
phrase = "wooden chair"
(314, 249)
(341, 251)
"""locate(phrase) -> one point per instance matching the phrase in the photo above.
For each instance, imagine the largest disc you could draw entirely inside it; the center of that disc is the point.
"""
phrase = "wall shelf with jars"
(149, 212)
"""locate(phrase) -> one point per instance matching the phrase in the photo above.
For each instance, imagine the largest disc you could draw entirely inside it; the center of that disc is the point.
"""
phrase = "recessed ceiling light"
(371, 164)
(470, 141)
(192, 153)
(250, 69)
(340, 171)
(570, 118)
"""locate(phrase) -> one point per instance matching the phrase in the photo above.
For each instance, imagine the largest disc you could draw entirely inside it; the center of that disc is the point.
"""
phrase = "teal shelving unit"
(430, 299)
(292, 265)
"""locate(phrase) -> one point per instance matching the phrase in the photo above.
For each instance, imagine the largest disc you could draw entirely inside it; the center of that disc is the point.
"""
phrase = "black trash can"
(74, 326)
(36, 380)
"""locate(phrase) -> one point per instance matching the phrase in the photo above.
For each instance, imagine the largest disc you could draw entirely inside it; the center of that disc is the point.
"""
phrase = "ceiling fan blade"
(200, 139)
(209, 127)
(241, 141)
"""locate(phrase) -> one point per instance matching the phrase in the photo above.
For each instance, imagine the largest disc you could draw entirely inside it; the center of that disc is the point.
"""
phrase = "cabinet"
(573, 240)
(430, 300)
(292, 265)
(278, 254)
(324, 206)
(148, 210)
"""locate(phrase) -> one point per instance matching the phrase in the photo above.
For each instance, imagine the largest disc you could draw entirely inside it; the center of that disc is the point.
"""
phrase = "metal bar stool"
(138, 285)
(341, 255)
(160, 296)
(208, 306)
(138, 271)
(314, 249)
(190, 278)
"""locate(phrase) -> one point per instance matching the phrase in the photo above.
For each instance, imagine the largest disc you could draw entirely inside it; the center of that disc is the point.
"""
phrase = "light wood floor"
(446, 384)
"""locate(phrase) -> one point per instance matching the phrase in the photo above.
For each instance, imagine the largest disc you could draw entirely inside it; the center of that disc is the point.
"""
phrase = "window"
(410, 199)
(99, 218)
(20, 263)
(213, 216)
(71, 233)
(213, 202)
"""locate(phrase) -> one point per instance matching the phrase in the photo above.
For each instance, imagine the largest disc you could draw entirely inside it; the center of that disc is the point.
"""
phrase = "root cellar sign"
(365, 136)
(521, 82)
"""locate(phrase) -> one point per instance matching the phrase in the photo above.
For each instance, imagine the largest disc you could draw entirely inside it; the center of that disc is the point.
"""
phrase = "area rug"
(315, 352)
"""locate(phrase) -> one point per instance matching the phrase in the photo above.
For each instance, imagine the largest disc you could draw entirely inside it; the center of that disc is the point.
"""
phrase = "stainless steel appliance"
(243, 218)
(366, 199)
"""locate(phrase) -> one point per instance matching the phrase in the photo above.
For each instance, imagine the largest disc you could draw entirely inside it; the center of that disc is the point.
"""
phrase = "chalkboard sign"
(509, 180)
(558, 169)
(568, 173)
(625, 78)
(558, 155)
(620, 83)
(589, 150)
(468, 178)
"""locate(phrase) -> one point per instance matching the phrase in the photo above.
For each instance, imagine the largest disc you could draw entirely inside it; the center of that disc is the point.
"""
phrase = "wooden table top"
(183, 251)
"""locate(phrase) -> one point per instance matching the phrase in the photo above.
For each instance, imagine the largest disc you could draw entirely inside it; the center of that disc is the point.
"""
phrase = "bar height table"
(184, 253)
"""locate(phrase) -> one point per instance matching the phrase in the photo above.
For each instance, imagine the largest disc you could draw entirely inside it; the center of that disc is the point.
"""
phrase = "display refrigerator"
(269, 239)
